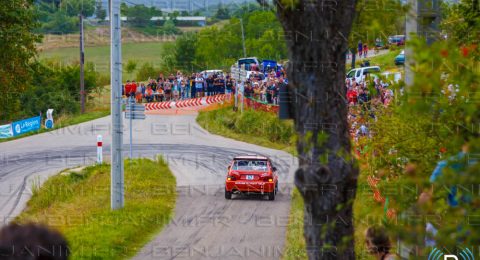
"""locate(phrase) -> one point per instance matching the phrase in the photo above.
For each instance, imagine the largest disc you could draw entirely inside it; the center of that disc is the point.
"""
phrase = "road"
(205, 225)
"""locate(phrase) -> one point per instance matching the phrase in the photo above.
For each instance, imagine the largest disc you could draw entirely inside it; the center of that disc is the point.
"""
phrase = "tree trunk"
(317, 35)
(354, 57)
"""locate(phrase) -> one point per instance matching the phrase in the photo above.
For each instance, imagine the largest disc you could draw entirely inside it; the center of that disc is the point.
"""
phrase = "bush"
(131, 66)
(146, 71)
(56, 87)
(38, 99)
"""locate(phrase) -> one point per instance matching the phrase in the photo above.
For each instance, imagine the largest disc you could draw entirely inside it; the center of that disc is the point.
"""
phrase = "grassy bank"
(78, 205)
(295, 242)
(385, 61)
(64, 121)
(257, 127)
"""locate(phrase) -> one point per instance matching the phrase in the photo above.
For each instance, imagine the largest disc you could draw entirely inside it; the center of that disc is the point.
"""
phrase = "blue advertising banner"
(6, 131)
(26, 125)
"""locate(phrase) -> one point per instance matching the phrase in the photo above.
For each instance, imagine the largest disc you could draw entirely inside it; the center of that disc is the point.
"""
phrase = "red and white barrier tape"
(192, 102)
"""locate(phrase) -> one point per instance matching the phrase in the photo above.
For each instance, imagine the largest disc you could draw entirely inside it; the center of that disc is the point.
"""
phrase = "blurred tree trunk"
(317, 38)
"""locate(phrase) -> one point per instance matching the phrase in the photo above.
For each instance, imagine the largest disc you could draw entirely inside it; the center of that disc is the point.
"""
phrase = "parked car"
(359, 74)
(396, 40)
(207, 73)
(400, 58)
(248, 62)
(379, 44)
(268, 65)
(251, 174)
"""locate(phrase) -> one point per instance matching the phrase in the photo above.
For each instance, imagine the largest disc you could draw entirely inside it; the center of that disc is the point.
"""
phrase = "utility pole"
(423, 20)
(243, 39)
(411, 28)
(82, 62)
(116, 174)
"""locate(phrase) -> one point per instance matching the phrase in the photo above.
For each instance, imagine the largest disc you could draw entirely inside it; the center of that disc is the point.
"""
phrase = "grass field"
(100, 56)
(77, 204)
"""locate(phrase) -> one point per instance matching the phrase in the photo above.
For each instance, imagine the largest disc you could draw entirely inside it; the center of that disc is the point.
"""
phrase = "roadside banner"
(6, 131)
(26, 125)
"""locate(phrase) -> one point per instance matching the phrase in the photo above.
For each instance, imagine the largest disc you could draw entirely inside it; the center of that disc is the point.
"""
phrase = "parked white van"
(360, 73)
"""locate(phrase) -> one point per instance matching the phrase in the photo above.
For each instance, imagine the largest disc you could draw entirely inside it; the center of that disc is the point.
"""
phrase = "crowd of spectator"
(179, 87)
(363, 99)
(259, 86)
(265, 88)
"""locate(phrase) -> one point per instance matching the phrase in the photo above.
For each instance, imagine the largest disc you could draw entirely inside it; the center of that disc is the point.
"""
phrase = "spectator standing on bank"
(138, 93)
(199, 85)
(360, 49)
(149, 94)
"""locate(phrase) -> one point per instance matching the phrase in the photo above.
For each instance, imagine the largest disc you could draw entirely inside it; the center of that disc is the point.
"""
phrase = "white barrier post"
(99, 149)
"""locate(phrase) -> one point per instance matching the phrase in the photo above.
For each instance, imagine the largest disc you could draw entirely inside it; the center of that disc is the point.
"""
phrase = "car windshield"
(371, 70)
(351, 74)
(246, 61)
(250, 165)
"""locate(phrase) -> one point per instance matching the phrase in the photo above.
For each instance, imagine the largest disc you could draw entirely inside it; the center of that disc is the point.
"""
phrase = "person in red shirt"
(128, 87)
(133, 88)
(352, 95)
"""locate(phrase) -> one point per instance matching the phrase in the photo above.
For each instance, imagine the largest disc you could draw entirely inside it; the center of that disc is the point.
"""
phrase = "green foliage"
(61, 17)
(184, 53)
(60, 23)
(295, 241)
(76, 7)
(377, 19)
(139, 15)
(462, 21)
(222, 12)
(434, 120)
(17, 50)
(146, 71)
(100, 13)
(131, 66)
(241, 10)
(80, 201)
(169, 27)
(57, 87)
(217, 47)
(220, 47)
(252, 126)
(169, 64)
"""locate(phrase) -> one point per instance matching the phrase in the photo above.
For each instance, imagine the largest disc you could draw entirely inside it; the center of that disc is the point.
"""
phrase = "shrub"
(146, 71)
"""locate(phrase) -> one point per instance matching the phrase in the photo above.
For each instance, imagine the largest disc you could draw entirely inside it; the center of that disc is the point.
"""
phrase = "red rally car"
(251, 174)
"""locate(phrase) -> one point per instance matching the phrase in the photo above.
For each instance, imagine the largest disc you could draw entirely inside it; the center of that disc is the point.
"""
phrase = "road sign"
(134, 115)
(135, 107)
(238, 73)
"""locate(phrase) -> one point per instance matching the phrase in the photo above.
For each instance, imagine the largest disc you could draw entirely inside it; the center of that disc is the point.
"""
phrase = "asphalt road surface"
(205, 225)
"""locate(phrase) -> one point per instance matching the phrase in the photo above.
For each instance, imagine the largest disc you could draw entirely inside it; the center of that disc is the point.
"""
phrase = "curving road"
(205, 226)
